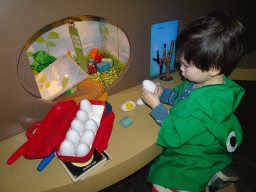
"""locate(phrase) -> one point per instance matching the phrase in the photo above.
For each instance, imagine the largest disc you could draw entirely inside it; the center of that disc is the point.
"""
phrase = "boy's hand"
(152, 99)
(159, 89)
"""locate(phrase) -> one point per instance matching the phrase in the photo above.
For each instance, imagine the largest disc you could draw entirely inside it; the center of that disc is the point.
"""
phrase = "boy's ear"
(213, 71)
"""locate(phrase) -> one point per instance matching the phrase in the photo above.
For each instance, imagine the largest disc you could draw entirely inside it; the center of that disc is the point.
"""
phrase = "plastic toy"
(94, 59)
(99, 64)
(149, 86)
(52, 131)
(91, 68)
(128, 106)
(94, 52)
(103, 66)
(126, 122)
(104, 97)
(48, 159)
(98, 58)
(109, 60)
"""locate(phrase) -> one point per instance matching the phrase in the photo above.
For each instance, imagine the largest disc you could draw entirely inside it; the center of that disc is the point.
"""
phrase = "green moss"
(110, 76)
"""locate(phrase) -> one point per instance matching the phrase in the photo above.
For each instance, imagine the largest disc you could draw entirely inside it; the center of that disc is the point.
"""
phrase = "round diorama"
(76, 57)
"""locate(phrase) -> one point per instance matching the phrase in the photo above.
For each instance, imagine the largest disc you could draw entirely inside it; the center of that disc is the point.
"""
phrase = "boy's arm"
(159, 113)
(168, 96)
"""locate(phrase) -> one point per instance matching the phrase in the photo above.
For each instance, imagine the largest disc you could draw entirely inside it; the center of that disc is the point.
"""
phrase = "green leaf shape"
(40, 40)
(50, 44)
(41, 86)
(43, 79)
(34, 65)
(105, 37)
(65, 81)
(47, 84)
(43, 57)
(40, 68)
(106, 30)
(101, 31)
(29, 54)
(34, 71)
(73, 90)
(41, 60)
(53, 35)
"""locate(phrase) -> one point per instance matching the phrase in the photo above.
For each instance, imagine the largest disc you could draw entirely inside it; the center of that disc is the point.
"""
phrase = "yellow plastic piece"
(129, 106)
(69, 53)
(104, 97)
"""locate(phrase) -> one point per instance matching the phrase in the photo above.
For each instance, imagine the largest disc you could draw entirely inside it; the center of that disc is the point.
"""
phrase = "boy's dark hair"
(214, 40)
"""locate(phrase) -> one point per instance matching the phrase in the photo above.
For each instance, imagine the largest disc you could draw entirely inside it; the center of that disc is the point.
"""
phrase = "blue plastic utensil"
(46, 161)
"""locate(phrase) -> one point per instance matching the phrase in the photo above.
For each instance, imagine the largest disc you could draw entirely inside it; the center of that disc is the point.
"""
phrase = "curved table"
(131, 148)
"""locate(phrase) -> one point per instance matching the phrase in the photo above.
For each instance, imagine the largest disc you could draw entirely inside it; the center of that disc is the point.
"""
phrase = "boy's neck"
(218, 79)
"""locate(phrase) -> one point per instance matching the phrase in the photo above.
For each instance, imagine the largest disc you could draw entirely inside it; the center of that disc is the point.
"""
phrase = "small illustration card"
(80, 171)
(60, 76)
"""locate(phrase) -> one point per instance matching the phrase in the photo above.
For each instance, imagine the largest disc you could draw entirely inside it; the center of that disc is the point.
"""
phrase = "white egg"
(96, 118)
(91, 125)
(128, 106)
(82, 115)
(86, 105)
(149, 85)
(82, 149)
(140, 102)
(73, 135)
(67, 148)
(78, 125)
(87, 137)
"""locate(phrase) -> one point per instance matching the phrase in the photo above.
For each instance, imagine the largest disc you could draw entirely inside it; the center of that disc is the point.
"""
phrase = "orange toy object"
(94, 52)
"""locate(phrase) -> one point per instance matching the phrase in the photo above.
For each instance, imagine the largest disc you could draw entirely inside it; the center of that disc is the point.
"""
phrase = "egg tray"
(52, 131)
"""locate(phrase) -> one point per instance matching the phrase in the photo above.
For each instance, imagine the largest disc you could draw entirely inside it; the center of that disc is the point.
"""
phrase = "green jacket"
(198, 137)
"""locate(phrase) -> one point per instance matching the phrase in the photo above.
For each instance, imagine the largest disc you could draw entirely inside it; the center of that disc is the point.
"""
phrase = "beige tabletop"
(131, 148)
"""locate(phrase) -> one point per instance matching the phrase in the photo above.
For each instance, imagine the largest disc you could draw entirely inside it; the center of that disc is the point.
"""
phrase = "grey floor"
(134, 183)
(244, 158)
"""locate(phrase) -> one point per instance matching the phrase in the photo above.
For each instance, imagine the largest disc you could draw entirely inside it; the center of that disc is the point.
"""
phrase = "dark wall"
(21, 19)
(244, 12)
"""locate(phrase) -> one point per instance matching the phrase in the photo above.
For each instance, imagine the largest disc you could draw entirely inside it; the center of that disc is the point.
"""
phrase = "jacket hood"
(212, 107)
(237, 90)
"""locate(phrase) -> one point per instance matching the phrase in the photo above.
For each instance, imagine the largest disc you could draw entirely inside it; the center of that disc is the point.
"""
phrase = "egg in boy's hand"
(152, 99)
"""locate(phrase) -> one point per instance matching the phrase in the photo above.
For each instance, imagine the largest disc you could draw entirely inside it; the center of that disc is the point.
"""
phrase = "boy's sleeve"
(168, 96)
(159, 113)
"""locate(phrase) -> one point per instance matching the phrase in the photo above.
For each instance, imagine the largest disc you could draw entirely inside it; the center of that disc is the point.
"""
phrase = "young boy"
(200, 131)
